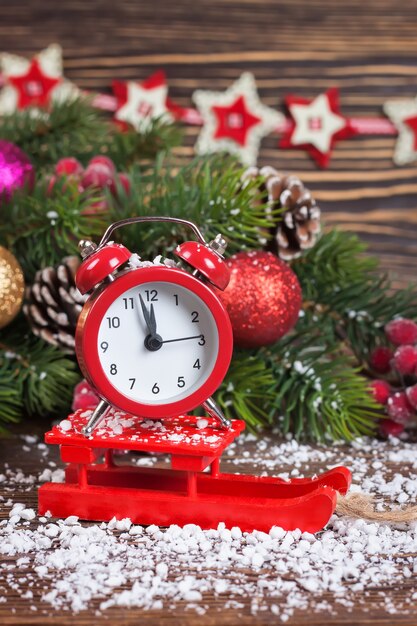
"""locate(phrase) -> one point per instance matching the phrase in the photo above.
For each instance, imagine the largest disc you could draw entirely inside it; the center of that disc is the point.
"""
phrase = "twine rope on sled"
(362, 506)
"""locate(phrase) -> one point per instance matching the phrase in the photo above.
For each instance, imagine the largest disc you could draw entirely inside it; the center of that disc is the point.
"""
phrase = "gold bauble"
(12, 287)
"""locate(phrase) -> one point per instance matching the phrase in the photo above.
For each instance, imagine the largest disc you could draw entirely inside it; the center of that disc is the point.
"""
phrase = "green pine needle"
(75, 128)
(35, 378)
(207, 191)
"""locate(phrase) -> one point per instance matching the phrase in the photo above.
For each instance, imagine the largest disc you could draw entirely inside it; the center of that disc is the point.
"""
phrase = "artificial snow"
(73, 565)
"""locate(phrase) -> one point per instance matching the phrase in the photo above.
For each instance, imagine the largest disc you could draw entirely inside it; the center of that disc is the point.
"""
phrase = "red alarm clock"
(153, 341)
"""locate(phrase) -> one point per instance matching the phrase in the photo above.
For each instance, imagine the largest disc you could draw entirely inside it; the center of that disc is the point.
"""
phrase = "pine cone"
(53, 304)
(297, 227)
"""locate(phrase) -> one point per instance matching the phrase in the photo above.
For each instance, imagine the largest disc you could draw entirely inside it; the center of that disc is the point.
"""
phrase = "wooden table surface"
(367, 49)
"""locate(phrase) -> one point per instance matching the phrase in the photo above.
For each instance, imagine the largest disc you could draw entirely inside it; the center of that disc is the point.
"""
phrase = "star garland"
(33, 83)
(234, 120)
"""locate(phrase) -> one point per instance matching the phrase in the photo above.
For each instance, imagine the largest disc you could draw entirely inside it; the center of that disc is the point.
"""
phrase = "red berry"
(84, 397)
(69, 166)
(97, 175)
(405, 359)
(103, 160)
(124, 182)
(380, 359)
(389, 427)
(401, 331)
(380, 391)
(96, 208)
(51, 184)
(399, 409)
(412, 395)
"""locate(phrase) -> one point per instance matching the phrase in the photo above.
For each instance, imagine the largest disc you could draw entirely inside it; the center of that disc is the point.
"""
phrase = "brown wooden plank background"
(368, 49)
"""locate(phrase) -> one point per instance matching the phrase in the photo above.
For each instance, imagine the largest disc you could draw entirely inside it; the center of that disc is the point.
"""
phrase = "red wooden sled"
(96, 488)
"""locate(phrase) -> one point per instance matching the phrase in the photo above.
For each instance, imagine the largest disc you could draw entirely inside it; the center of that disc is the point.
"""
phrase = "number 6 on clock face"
(156, 342)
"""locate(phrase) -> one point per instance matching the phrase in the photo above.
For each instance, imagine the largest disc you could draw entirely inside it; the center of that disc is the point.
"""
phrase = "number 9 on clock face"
(158, 347)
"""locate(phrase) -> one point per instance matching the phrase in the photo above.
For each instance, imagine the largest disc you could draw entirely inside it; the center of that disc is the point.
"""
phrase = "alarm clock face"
(157, 343)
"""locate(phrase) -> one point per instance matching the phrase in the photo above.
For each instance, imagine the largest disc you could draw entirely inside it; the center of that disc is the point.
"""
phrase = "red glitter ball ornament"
(263, 298)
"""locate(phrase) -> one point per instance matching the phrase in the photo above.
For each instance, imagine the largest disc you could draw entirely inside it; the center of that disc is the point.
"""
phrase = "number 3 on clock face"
(156, 342)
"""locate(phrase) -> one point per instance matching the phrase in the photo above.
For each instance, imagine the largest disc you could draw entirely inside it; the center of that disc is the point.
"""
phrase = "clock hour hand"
(153, 341)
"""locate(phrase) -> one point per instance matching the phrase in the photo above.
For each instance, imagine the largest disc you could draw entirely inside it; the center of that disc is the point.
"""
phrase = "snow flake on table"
(36, 82)
(235, 120)
(403, 113)
(73, 566)
(316, 125)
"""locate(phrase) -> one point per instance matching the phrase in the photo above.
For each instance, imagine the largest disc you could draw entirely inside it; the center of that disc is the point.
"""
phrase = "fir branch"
(75, 128)
(248, 390)
(70, 128)
(126, 148)
(35, 378)
(319, 392)
(41, 228)
(207, 191)
(341, 283)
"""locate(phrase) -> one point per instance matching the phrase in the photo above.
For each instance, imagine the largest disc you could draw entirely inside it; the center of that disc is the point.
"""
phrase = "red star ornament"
(412, 124)
(316, 125)
(235, 120)
(34, 87)
(403, 114)
(138, 103)
(34, 83)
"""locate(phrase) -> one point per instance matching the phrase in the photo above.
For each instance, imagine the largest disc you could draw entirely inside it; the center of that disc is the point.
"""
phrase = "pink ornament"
(16, 170)
(69, 166)
(84, 397)
(97, 175)
(103, 160)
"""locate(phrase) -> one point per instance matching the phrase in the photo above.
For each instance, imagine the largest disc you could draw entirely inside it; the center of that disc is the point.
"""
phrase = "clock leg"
(98, 414)
(214, 410)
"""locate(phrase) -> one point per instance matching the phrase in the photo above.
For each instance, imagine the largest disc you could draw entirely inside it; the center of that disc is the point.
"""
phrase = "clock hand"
(146, 316)
(182, 339)
(152, 321)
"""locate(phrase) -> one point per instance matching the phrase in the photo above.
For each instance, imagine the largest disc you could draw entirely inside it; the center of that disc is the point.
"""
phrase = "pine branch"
(41, 228)
(207, 191)
(35, 378)
(341, 283)
(75, 128)
(319, 393)
(126, 148)
(248, 390)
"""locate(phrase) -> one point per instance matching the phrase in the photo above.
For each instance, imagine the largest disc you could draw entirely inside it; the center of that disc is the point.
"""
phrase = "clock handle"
(215, 411)
(136, 220)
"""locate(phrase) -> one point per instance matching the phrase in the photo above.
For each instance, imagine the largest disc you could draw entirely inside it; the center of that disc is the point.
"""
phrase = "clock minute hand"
(147, 317)
(152, 321)
(182, 339)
